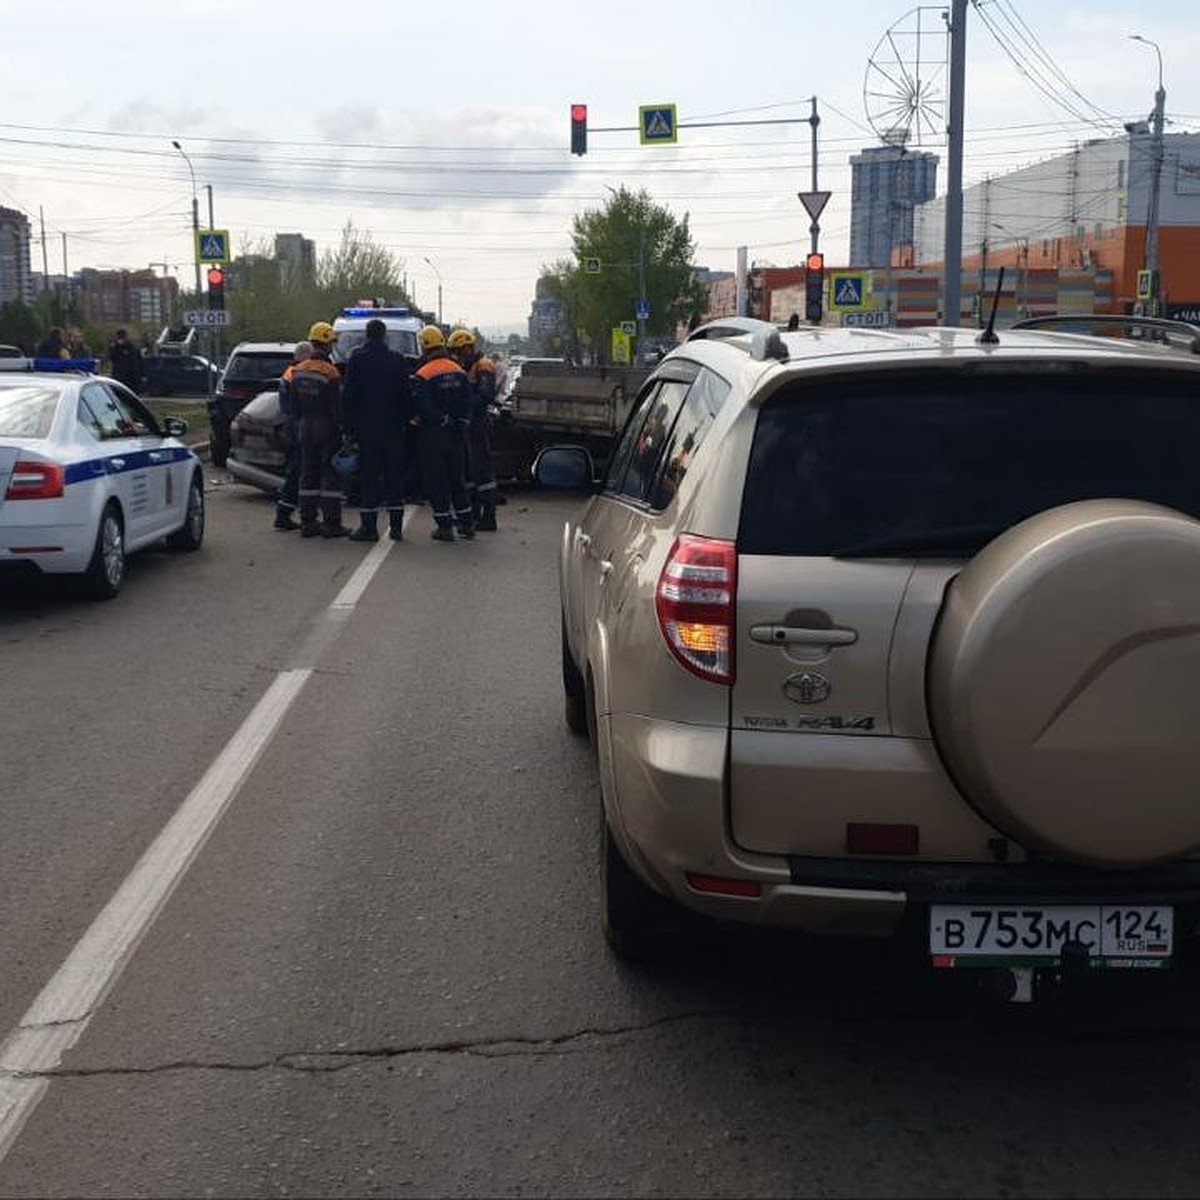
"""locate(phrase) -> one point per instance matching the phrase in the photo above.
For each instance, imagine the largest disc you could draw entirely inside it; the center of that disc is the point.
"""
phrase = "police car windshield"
(349, 340)
(27, 411)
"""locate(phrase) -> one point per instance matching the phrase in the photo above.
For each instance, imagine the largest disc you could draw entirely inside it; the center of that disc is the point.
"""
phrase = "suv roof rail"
(1166, 328)
(765, 339)
(724, 327)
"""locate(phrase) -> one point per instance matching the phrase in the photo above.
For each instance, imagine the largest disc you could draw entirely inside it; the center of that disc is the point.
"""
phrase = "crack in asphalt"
(328, 1061)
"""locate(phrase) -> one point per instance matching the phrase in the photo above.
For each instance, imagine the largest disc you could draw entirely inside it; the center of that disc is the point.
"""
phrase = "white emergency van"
(350, 325)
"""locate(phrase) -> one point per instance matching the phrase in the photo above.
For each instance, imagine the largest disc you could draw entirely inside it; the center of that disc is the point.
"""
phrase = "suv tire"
(640, 925)
(574, 692)
(1062, 682)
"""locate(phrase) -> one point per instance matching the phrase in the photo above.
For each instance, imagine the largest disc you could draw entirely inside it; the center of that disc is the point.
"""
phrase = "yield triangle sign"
(814, 203)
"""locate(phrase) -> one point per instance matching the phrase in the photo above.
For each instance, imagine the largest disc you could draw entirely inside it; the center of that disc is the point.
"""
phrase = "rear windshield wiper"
(953, 541)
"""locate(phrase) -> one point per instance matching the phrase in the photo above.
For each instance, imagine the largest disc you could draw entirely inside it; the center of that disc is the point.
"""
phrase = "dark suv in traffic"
(253, 367)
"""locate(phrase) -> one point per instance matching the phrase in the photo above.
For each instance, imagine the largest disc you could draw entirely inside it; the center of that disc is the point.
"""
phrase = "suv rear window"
(254, 368)
(942, 462)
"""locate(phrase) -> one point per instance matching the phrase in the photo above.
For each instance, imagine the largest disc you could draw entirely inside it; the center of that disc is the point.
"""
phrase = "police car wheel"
(191, 534)
(106, 572)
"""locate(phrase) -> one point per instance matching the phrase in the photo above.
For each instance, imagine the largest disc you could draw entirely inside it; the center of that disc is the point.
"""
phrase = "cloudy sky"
(444, 132)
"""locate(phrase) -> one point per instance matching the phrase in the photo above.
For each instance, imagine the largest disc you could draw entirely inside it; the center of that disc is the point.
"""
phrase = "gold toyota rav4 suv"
(878, 632)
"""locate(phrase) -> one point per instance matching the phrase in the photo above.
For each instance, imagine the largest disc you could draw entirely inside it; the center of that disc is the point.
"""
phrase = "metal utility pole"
(208, 189)
(1157, 121)
(641, 320)
(439, 283)
(814, 229)
(952, 288)
(195, 218)
(45, 261)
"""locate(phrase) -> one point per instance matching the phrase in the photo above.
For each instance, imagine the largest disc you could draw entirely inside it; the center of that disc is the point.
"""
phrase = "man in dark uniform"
(316, 392)
(442, 393)
(378, 405)
(127, 364)
(481, 480)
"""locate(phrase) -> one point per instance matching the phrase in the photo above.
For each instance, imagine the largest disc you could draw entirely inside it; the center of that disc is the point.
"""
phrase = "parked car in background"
(179, 375)
(253, 367)
(894, 635)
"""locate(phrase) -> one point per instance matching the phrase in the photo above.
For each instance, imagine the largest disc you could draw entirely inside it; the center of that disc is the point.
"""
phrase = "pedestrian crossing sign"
(657, 124)
(847, 291)
(212, 245)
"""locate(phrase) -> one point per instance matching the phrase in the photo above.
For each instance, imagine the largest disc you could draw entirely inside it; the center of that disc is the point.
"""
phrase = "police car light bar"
(84, 366)
(376, 312)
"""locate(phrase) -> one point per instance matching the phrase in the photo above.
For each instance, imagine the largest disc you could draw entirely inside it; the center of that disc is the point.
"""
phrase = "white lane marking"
(56, 1020)
(350, 595)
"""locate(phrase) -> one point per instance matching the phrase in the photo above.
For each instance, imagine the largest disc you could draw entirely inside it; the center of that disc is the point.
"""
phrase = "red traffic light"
(814, 262)
(216, 277)
(578, 128)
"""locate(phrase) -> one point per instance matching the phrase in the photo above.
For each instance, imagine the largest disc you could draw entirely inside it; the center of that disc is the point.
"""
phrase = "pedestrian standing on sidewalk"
(377, 407)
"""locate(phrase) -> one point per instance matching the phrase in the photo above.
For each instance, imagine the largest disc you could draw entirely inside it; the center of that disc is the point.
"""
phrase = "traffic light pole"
(815, 228)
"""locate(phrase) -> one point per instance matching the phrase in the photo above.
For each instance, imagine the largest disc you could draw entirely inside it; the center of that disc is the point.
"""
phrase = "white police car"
(88, 475)
(350, 325)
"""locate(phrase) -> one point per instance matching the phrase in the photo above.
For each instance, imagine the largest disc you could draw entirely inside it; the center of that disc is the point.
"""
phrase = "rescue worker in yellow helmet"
(481, 480)
(316, 396)
(442, 393)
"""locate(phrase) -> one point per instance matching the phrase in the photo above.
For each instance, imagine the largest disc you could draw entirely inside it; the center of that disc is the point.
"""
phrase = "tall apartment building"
(297, 257)
(886, 184)
(15, 282)
(120, 297)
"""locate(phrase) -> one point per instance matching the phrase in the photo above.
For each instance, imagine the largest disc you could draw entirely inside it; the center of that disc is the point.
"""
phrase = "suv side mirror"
(564, 467)
(174, 427)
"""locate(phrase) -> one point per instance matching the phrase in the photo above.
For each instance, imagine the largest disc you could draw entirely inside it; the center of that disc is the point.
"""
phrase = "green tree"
(358, 268)
(642, 248)
(19, 325)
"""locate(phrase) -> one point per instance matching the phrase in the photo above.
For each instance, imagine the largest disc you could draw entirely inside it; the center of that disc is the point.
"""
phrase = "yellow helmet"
(322, 331)
(460, 338)
(430, 337)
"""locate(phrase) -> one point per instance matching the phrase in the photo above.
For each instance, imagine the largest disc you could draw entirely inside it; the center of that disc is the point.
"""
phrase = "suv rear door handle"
(791, 635)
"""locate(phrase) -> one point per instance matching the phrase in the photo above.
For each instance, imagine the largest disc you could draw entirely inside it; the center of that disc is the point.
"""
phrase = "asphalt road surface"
(380, 972)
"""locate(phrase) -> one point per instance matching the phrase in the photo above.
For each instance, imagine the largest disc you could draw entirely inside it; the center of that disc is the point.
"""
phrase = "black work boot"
(443, 533)
(396, 524)
(310, 529)
(368, 529)
(486, 519)
(284, 520)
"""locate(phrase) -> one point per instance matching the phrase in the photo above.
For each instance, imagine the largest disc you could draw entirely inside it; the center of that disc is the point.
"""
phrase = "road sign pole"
(814, 229)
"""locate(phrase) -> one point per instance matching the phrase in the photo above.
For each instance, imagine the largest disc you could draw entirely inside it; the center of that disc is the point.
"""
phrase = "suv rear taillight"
(35, 481)
(695, 602)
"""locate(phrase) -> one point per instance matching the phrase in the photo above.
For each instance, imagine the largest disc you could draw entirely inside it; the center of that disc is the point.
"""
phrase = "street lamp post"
(1157, 121)
(195, 217)
(439, 279)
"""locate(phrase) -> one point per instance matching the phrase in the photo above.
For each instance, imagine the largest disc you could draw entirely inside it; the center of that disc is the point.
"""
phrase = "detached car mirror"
(564, 467)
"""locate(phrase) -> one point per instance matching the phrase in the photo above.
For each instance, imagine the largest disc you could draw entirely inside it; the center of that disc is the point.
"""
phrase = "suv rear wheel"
(574, 691)
(640, 925)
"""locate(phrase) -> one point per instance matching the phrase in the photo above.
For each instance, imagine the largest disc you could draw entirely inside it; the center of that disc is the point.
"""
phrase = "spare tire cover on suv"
(1064, 682)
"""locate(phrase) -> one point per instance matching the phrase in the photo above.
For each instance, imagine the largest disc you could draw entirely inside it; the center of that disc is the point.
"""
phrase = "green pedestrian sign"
(657, 124)
(212, 246)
